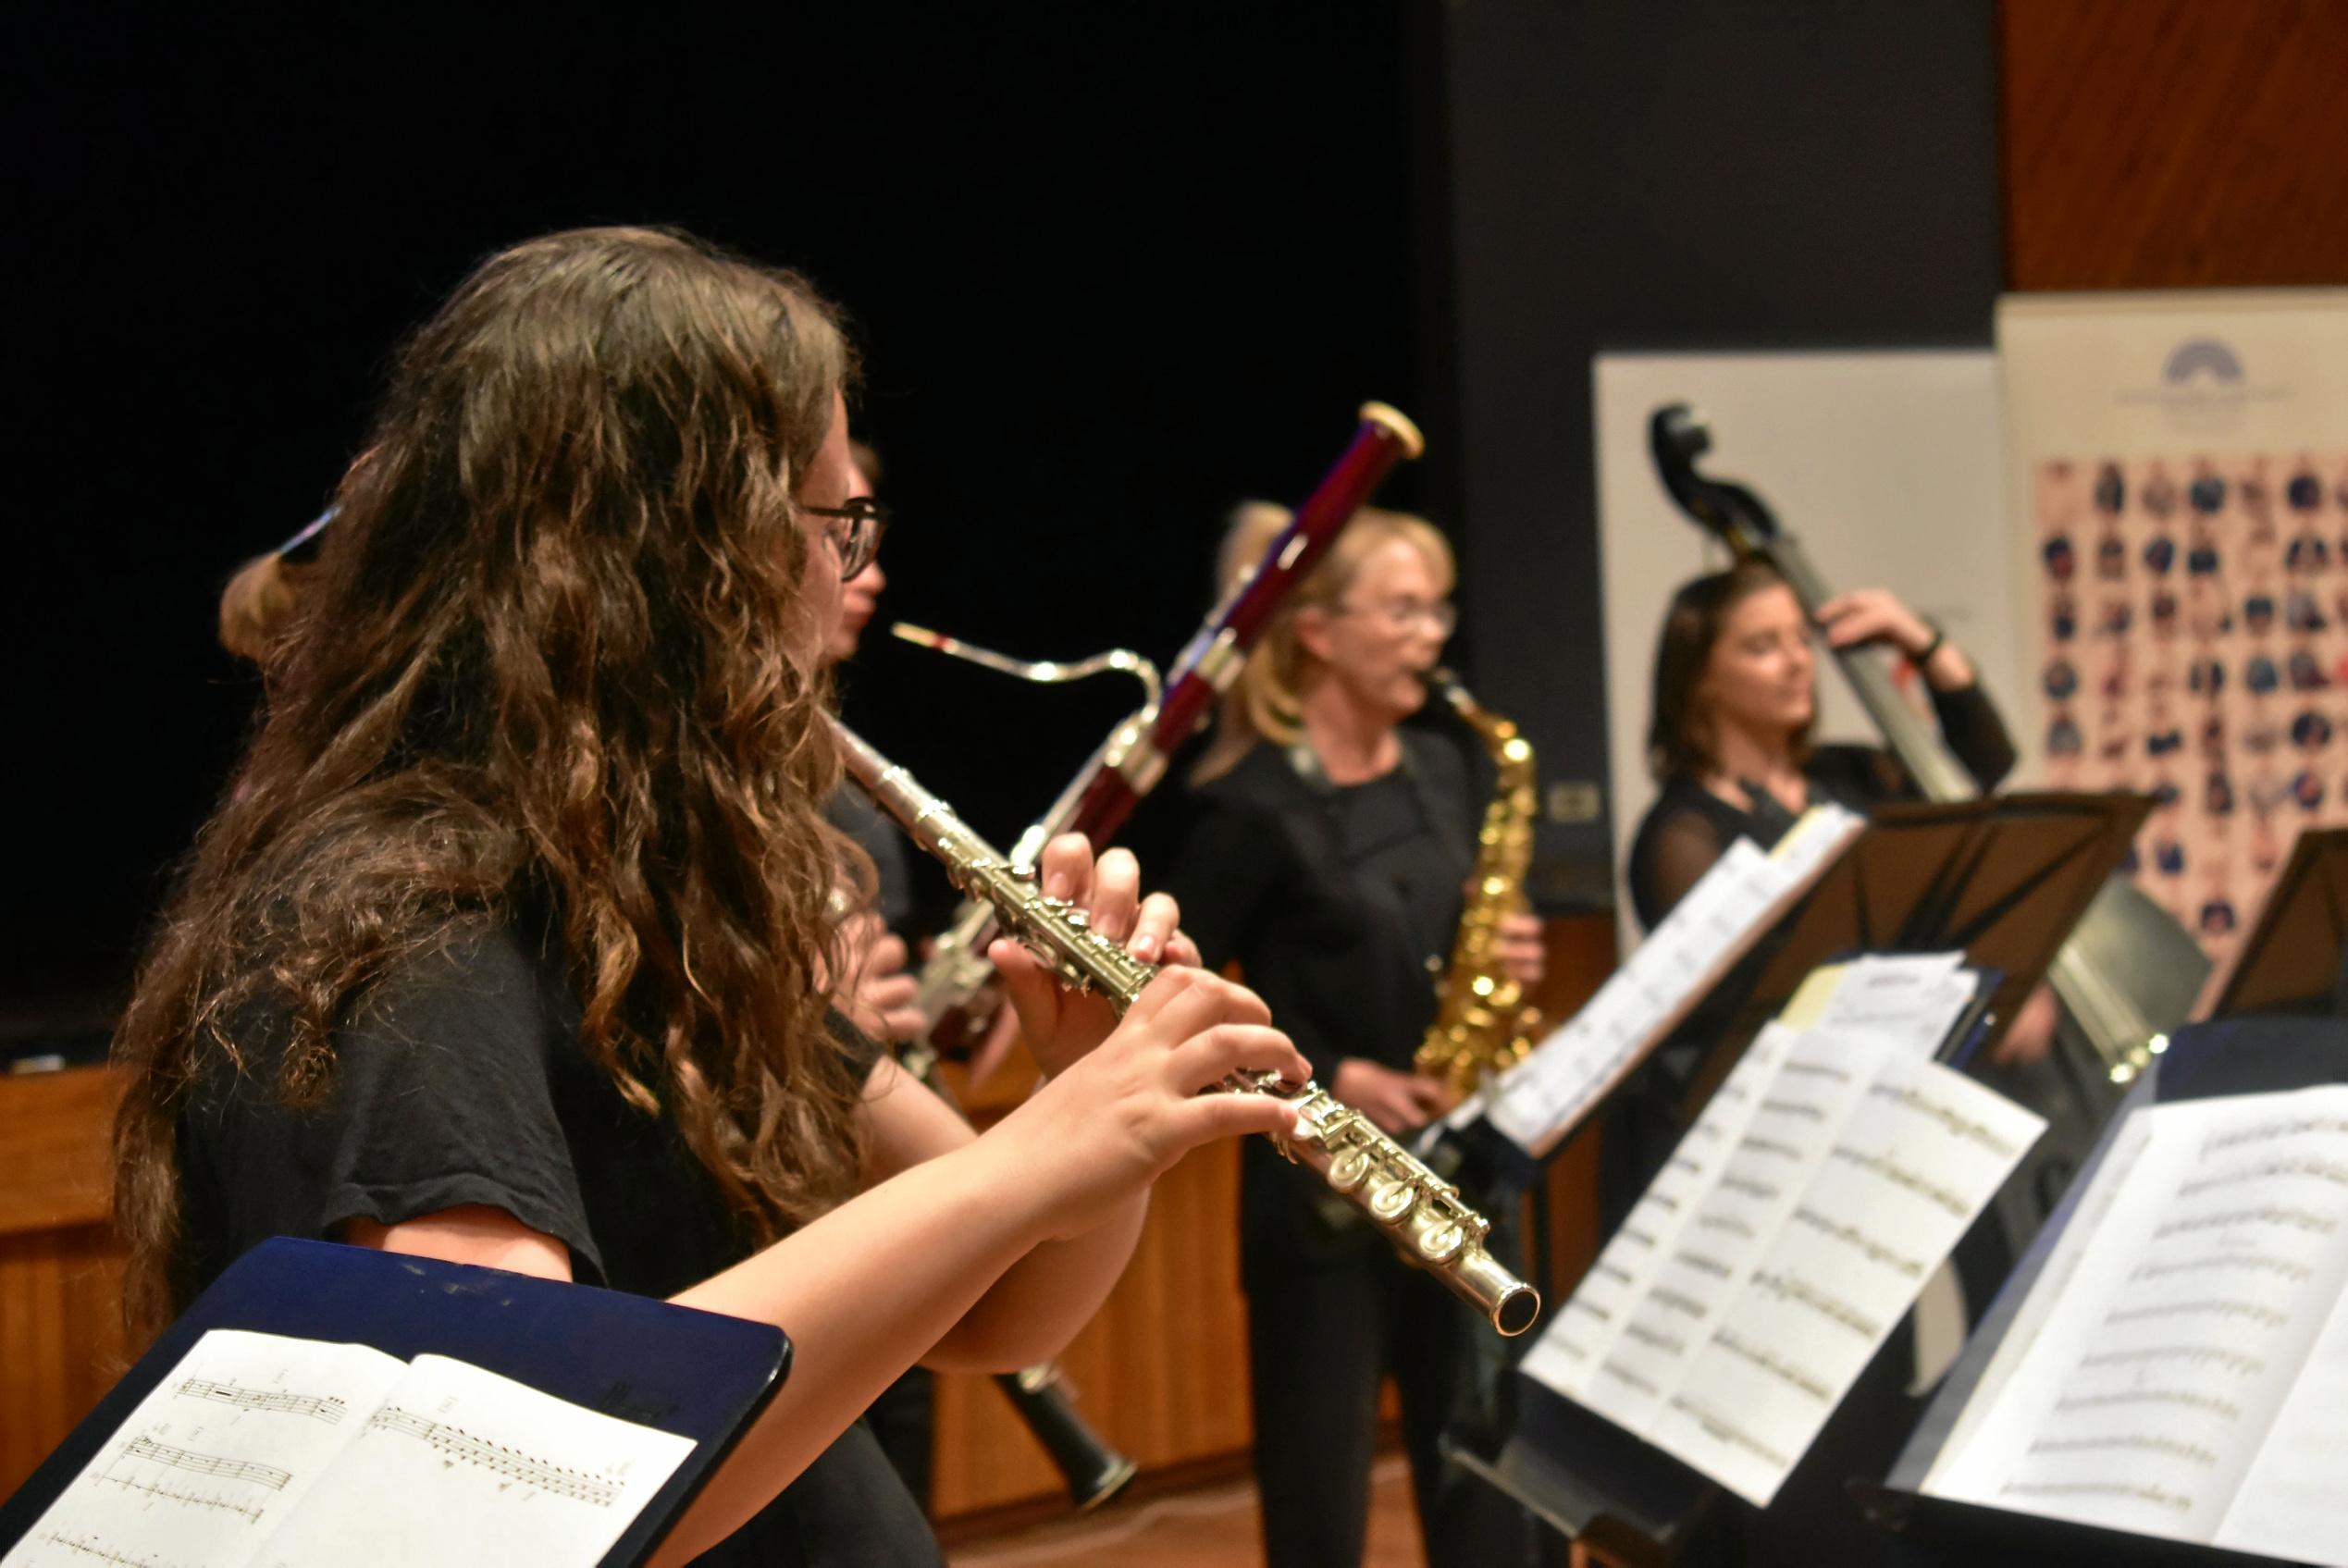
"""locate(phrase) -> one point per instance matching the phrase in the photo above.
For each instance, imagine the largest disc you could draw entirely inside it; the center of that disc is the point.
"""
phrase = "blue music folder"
(698, 1374)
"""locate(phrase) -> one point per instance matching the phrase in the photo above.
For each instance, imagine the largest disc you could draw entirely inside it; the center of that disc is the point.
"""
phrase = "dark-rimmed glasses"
(855, 528)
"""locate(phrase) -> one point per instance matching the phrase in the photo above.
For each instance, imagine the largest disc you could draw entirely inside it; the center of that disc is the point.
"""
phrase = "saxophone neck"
(1508, 748)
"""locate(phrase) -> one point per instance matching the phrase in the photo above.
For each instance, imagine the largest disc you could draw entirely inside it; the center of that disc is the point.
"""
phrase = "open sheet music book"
(1790, 1232)
(2180, 1366)
(270, 1450)
(1544, 1097)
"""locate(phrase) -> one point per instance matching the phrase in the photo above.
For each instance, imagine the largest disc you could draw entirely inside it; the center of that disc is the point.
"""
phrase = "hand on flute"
(1062, 1026)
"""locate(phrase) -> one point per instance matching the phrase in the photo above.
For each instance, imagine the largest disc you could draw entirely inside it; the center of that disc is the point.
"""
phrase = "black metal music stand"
(2291, 960)
(698, 1374)
(2203, 1061)
(2004, 879)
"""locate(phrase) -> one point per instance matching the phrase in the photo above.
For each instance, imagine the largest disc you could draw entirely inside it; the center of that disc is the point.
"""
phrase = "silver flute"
(1421, 1214)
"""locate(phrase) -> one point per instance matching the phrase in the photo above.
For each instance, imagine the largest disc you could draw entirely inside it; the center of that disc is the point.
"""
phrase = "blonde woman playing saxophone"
(1329, 861)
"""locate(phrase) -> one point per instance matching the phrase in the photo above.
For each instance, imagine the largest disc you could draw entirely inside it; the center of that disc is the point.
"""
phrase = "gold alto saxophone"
(1420, 1213)
(1483, 1024)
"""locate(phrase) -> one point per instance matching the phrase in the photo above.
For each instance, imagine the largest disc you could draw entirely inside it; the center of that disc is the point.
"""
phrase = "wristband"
(1923, 656)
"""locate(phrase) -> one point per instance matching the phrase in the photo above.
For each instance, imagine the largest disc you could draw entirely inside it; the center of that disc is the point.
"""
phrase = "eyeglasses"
(1402, 614)
(854, 528)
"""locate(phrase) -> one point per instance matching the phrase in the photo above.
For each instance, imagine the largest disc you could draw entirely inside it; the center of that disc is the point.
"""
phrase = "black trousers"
(1321, 1336)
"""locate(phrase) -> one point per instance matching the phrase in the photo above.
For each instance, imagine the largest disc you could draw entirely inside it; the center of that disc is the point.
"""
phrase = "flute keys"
(1440, 1240)
(1390, 1198)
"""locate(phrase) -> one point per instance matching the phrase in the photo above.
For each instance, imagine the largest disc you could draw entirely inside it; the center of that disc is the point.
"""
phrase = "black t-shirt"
(1339, 902)
(458, 1078)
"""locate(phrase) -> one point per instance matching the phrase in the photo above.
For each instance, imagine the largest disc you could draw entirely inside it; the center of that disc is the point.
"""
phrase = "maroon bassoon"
(1130, 763)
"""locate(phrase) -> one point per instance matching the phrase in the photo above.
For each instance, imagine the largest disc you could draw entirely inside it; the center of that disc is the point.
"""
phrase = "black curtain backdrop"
(1669, 174)
(1112, 270)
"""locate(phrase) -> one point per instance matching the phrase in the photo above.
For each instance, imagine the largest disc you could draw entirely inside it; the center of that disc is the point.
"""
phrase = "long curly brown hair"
(554, 650)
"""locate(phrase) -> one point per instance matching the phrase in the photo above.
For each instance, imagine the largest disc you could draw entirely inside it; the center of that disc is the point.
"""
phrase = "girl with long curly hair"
(512, 942)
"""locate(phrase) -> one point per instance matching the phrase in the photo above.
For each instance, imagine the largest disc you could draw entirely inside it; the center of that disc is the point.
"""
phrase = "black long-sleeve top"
(1339, 903)
(1689, 827)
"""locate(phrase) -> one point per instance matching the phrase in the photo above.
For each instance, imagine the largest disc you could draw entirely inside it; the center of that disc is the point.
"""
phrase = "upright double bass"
(2130, 972)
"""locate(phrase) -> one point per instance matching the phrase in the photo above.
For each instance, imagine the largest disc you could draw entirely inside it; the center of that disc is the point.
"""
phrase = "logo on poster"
(2199, 357)
(2203, 385)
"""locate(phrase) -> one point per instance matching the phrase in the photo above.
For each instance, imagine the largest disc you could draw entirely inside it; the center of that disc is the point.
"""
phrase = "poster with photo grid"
(2192, 621)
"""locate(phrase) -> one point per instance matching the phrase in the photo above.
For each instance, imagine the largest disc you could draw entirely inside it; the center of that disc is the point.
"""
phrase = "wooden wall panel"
(60, 1268)
(2174, 144)
(1161, 1371)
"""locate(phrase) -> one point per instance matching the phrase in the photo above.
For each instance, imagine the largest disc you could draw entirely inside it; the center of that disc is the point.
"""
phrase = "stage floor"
(1215, 1524)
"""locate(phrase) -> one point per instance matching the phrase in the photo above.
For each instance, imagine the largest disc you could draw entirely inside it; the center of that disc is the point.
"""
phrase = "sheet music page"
(1699, 1277)
(212, 1461)
(2160, 1370)
(1568, 1355)
(1817, 836)
(2293, 1502)
(2112, 1178)
(1536, 1103)
(1907, 1002)
(1920, 1155)
(462, 1465)
(1569, 1070)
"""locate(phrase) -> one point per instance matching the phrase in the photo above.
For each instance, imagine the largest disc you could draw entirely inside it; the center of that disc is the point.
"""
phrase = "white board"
(1888, 467)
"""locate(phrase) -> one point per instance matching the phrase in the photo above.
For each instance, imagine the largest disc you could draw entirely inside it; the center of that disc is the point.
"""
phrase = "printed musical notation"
(2180, 1366)
(214, 1465)
(249, 1511)
(1731, 1310)
(1872, 1248)
(318, 1407)
(242, 1457)
(86, 1548)
(1537, 1102)
(1909, 1099)
(459, 1444)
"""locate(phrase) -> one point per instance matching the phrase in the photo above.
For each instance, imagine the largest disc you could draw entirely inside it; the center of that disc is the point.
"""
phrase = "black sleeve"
(1969, 723)
(1675, 847)
(441, 1096)
(1231, 859)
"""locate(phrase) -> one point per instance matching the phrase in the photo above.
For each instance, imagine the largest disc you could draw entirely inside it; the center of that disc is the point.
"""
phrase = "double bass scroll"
(2128, 973)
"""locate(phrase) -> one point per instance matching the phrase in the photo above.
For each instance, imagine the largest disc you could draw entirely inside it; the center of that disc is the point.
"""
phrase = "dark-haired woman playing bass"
(1735, 695)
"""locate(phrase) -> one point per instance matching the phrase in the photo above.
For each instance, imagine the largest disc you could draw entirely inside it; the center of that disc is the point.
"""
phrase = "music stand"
(2004, 879)
(699, 1374)
(2290, 962)
(2203, 1061)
